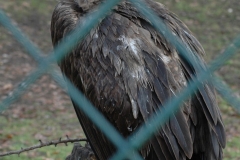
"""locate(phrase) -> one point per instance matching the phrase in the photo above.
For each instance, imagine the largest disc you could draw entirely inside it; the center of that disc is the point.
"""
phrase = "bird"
(128, 70)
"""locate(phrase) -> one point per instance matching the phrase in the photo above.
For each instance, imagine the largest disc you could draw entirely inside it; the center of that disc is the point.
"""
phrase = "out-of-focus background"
(45, 111)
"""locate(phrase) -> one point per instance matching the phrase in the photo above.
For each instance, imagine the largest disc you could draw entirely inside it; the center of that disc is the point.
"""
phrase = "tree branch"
(55, 143)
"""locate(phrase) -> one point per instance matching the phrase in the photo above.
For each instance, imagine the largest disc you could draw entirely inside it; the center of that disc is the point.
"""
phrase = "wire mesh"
(127, 148)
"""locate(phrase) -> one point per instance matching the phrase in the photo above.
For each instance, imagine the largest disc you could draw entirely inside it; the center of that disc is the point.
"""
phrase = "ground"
(45, 111)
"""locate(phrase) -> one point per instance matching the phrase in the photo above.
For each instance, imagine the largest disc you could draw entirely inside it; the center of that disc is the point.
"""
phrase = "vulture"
(128, 71)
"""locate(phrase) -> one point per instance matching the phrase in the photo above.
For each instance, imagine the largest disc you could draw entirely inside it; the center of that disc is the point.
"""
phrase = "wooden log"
(80, 152)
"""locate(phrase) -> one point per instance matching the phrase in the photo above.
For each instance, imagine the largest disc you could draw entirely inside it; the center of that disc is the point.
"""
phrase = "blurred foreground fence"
(126, 147)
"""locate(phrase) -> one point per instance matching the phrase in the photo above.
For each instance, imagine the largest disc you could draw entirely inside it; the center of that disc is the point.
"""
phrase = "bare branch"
(55, 143)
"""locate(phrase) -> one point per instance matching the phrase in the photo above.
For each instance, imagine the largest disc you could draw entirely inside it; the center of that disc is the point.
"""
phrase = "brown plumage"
(128, 70)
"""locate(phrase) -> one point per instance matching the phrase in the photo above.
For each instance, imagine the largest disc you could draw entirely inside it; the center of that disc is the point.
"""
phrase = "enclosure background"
(45, 111)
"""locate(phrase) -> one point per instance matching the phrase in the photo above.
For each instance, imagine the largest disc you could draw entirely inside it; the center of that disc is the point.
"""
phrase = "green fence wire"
(127, 148)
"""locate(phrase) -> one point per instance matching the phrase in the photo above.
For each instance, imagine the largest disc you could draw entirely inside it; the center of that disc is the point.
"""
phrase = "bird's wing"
(206, 123)
(127, 70)
(64, 19)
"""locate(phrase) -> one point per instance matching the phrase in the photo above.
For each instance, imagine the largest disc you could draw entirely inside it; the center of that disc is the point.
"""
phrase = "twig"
(55, 143)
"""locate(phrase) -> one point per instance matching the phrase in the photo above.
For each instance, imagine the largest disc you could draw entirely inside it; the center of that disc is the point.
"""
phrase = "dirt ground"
(45, 111)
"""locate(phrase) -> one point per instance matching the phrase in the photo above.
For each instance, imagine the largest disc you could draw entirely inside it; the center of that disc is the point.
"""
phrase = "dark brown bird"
(128, 70)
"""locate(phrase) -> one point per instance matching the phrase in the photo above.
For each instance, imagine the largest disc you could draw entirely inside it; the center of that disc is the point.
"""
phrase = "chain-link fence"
(126, 147)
